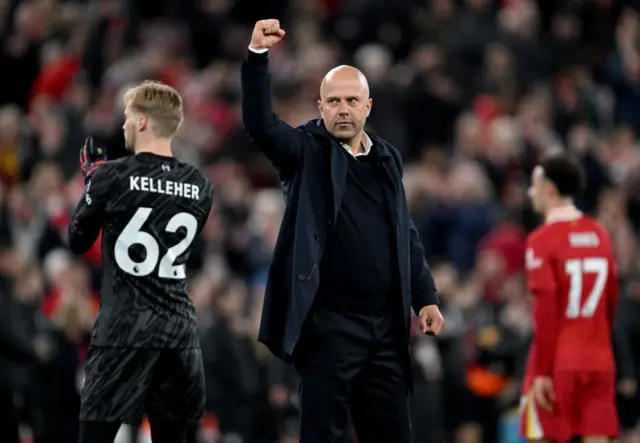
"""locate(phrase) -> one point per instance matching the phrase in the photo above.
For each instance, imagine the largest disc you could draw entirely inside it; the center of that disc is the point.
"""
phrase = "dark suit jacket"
(313, 178)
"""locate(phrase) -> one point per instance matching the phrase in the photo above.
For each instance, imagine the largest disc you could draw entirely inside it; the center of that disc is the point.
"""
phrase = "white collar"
(366, 144)
(564, 213)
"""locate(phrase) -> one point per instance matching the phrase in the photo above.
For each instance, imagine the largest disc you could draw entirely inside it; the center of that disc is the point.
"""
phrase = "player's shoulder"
(595, 225)
(536, 247)
(189, 169)
(120, 161)
(542, 235)
(583, 232)
(189, 173)
(111, 165)
(594, 231)
(117, 167)
(145, 162)
(106, 172)
(547, 239)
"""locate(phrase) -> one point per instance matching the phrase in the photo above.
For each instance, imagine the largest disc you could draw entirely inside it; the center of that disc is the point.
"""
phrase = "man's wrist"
(542, 373)
(255, 58)
(423, 298)
(542, 377)
(258, 50)
(427, 306)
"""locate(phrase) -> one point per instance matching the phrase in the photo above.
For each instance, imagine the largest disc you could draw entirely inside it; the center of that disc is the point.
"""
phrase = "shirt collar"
(565, 213)
(366, 144)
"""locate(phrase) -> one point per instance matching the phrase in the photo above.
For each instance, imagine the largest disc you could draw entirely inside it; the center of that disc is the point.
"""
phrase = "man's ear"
(143, 121)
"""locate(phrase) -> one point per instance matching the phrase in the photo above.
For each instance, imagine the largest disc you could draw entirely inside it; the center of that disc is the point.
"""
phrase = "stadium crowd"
(471, 92)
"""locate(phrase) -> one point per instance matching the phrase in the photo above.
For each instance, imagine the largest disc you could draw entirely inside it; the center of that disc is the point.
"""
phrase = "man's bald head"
(342, 75)
(344, 102)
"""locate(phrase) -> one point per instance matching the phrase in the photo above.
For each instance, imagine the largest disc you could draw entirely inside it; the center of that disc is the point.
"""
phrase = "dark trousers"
(352, 363)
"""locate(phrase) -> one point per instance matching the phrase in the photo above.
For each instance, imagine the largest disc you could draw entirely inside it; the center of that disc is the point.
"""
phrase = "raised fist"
(266, 33)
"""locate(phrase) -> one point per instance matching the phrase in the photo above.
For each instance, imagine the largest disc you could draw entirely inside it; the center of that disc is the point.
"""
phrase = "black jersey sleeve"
(208, 201)
(86, 222)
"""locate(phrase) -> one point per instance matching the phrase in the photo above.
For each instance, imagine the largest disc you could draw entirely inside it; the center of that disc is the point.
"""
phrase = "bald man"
(348, 265)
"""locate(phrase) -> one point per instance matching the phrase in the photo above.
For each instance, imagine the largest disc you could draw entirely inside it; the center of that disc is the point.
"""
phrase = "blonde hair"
(160, 102)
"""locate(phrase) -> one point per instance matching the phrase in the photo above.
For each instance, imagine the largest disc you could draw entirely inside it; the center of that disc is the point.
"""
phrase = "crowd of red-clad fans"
(472, 92)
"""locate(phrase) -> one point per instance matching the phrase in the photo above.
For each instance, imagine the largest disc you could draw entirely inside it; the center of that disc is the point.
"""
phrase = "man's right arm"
(542, 284)
(281, 143)
(613, 290)
(88, 216)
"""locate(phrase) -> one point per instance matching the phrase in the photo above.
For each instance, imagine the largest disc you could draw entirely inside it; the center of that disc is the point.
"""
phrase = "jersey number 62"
(132, 234)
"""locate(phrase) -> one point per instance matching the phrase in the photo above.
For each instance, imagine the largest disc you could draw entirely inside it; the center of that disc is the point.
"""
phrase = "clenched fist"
(266, 33)
(431, 321)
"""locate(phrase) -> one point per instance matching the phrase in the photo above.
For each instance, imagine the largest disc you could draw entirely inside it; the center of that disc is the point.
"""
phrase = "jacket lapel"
(339, 165)
(338, 177)
(391, 194)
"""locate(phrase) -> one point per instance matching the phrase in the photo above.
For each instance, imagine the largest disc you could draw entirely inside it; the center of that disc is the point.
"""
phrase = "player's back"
(580, 255)
(156, 207)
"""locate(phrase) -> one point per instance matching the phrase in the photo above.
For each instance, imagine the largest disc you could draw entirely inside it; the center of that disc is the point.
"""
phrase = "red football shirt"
(572, 275)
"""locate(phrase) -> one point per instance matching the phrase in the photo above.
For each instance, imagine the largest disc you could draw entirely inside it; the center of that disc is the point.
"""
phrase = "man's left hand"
(431, 320)
(543, 392)
(91, 156)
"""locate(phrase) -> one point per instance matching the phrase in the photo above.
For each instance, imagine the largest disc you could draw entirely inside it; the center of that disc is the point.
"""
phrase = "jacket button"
(300, 277)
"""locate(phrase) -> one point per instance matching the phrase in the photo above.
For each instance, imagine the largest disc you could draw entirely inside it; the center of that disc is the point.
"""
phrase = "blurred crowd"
(472, 92)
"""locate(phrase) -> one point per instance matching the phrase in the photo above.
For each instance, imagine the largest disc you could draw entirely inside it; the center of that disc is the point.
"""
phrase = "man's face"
(344, 106)
(538, 190)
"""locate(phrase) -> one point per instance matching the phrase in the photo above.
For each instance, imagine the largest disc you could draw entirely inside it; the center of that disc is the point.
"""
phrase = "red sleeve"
(542, 284)
(612, 292)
